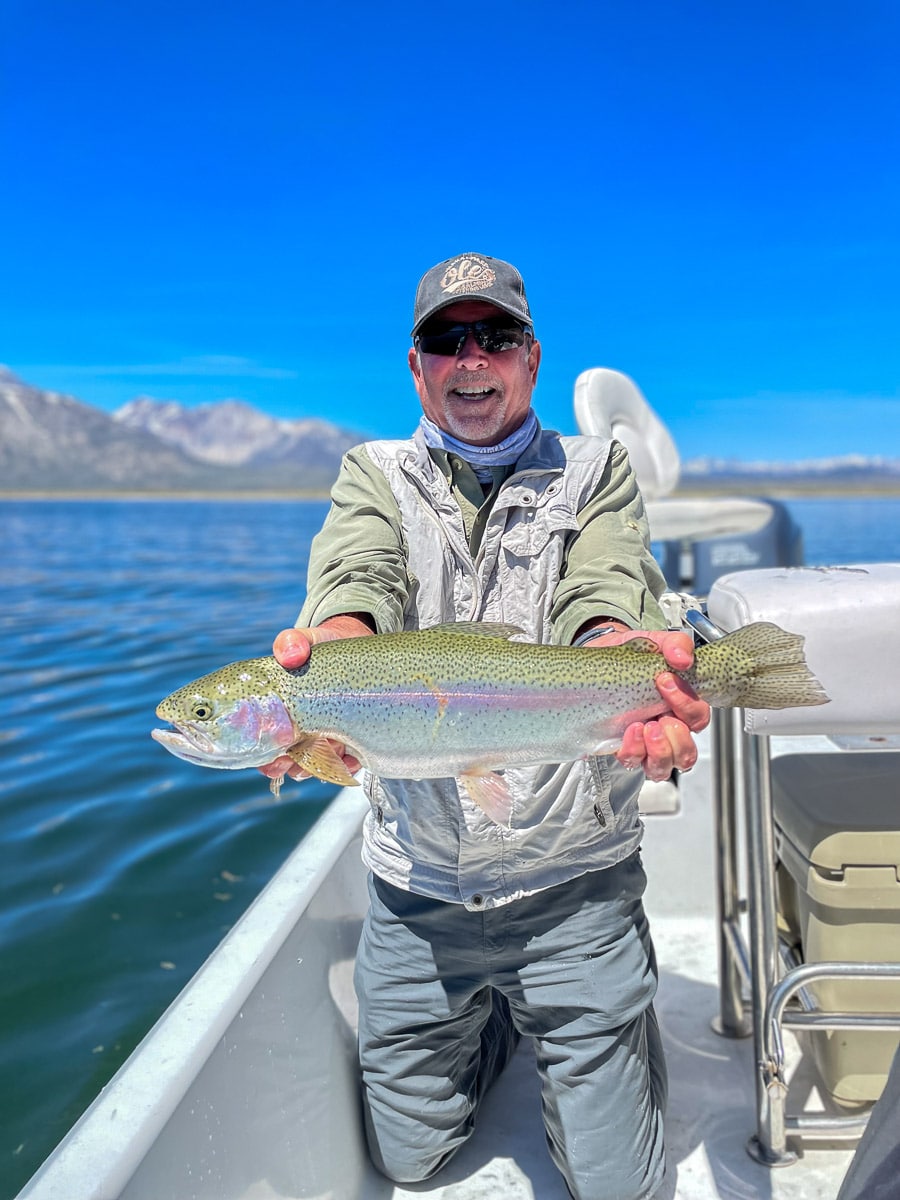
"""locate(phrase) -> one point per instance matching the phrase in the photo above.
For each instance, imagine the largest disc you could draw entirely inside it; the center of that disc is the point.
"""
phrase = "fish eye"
(202, 710)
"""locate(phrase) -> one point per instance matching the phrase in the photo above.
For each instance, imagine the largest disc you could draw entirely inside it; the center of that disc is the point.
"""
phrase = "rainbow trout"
(463, 701)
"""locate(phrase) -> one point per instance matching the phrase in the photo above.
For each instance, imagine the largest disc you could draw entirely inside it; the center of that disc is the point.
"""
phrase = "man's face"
(478, 397)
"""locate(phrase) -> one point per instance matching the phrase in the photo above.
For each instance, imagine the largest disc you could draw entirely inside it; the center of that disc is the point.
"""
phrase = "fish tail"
(758, 666)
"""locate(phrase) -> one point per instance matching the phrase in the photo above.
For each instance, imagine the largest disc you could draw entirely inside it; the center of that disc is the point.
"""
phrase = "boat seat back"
(610, 404)
(695, 540)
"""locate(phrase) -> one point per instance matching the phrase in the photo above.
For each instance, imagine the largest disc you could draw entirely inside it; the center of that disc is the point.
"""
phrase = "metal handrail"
(753, 963)
(769, 994)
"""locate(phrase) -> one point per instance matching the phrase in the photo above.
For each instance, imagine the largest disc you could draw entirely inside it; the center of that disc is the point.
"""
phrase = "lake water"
(123, 866)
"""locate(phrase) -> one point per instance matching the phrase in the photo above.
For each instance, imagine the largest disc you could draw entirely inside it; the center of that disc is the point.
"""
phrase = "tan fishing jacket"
(565, 540)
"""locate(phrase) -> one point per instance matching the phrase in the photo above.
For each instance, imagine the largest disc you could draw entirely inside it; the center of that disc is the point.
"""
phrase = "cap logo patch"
(467, 274)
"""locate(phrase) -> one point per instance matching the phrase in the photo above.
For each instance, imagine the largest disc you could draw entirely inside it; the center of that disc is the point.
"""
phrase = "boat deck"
(247, 1090)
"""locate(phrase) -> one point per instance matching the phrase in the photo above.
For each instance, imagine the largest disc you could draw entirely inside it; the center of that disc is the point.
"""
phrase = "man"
(479, 932)
(874, 1171)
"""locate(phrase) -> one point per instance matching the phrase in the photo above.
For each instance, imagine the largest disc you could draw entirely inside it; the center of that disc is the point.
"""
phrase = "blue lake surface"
(122, 866)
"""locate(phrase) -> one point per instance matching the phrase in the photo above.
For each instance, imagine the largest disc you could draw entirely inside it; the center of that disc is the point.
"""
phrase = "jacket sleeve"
(608, 569)
(357, 562)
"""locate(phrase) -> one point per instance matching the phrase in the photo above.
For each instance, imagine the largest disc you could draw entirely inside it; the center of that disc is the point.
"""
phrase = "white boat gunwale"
(135, 1106)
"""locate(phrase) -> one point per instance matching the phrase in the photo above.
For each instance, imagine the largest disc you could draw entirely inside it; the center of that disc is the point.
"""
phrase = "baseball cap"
(470, 277)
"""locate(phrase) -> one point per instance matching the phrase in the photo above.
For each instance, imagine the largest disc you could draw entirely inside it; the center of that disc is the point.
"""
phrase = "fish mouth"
(193, 746)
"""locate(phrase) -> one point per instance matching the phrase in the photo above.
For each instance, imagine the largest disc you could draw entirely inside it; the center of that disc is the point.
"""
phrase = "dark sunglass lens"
(493, 336)
(495, 340)
(443, 341)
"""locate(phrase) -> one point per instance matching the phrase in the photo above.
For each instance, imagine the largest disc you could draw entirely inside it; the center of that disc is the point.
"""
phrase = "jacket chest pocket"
(532, 529)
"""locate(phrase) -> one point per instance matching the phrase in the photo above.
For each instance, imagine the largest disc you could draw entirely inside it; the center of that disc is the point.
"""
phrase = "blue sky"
(204, 201)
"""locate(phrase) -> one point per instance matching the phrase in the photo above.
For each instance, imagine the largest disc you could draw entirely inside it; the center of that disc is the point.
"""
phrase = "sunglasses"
(493, 335)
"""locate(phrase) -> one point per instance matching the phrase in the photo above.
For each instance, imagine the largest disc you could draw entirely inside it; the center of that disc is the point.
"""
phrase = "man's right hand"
(291, 648)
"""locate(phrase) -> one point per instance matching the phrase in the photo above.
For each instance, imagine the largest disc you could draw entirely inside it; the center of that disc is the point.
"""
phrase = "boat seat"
(695, 539)
(849, 617)
(829, 819)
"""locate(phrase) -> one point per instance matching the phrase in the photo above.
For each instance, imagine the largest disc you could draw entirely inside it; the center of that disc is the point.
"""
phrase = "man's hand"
(291, 648)
(667, 742)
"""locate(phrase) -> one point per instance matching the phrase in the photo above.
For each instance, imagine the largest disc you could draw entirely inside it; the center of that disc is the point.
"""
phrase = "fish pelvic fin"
(488, 790)
(758, 666)
(317, 755)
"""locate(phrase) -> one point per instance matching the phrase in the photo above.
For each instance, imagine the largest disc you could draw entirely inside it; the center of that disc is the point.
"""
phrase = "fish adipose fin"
(318, 756)
(489, 791)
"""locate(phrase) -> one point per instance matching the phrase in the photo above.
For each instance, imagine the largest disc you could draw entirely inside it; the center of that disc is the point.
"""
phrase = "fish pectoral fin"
(488, 790)
(318, 756)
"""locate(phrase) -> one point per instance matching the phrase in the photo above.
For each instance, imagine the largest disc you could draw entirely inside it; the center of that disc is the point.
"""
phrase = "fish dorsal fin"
(640, 645)
(495, 629)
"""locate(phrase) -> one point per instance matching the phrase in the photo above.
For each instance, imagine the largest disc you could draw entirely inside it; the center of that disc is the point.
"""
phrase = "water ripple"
(124, 865)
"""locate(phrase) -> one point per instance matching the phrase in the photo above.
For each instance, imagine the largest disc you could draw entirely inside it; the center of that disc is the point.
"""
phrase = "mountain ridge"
(51, 442)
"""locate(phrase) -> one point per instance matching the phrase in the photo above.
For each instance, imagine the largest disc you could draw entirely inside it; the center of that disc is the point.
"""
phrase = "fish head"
(236, 717)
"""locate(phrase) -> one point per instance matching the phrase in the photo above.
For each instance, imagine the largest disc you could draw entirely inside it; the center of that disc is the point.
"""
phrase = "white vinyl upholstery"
(850, 617)
(610, 404)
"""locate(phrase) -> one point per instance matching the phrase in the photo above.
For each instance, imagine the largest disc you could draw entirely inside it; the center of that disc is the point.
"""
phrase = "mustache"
(463, 379)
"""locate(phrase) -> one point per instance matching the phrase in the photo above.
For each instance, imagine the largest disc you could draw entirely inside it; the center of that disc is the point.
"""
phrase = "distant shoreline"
(781, 490)
(784, 490)
(110, 494)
